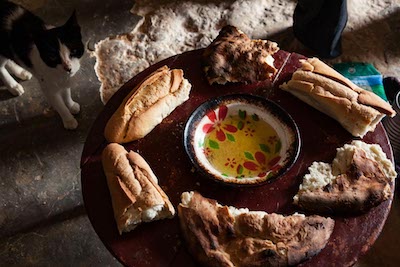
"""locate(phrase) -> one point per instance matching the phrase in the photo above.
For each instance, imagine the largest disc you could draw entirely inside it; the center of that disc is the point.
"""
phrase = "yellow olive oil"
(242, 146)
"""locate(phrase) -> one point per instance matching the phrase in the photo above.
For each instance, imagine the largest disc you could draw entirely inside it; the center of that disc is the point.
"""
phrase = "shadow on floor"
(4, 94)
(49, 221)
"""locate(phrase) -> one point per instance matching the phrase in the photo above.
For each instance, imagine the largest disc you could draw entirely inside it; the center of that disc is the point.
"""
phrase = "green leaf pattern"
(230, 137)
(278, 146)
(242, 114)
(240, 125)
(248, 155)
(265, 148)
(255, 117)
(213, 144)
(240, 169)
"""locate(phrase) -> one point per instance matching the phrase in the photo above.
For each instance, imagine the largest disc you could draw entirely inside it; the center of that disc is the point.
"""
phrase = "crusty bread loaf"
(135, 193)
(358, 179)
(320, 86)
(219, 235)
(147, 105)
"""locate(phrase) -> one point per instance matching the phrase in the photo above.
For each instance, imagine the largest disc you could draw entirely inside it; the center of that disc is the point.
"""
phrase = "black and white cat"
(51, 54)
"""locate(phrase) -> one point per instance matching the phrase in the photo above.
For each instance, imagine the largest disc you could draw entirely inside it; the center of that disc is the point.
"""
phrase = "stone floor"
(42, 217)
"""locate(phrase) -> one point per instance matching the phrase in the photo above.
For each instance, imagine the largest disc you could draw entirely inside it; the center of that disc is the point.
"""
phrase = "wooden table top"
(160, 243)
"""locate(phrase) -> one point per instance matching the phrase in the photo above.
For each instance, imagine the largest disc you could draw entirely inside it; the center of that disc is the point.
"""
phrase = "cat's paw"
(16, 89)
(71, 124)
(25, 75)
(75, 108)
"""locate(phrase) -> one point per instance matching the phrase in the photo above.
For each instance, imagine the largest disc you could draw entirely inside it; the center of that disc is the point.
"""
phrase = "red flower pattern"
(257, 162)
(207, 151)
(261, 165)
(231, 162)
(249, 132)
(272, 139)
(217, 123)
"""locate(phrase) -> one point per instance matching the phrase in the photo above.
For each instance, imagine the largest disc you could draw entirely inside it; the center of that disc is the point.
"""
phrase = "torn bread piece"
(358, 179)
(234, 57)
(135, 193)
(117, 60)
(219, 235)
(147, 105)
(320, 86)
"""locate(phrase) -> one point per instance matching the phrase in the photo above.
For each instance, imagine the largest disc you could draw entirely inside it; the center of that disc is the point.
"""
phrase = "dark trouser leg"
(319, 24)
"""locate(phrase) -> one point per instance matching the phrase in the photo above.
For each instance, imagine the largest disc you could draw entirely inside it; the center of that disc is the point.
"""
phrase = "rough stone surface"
(172, 27)
(373, 34)
(42, 219)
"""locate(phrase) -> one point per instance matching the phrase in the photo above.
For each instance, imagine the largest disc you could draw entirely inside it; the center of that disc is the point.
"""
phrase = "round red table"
(160, 243)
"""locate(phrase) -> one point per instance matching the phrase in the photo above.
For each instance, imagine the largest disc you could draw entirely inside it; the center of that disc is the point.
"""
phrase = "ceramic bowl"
(241, 139)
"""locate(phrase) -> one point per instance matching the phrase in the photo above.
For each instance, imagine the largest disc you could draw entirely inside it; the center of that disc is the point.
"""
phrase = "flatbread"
(234, 57)
(359, 178)
(226, 236)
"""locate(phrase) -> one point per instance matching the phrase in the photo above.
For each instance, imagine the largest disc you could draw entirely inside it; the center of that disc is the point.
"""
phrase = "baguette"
(135, 193)
(320, 86)
(147, 105)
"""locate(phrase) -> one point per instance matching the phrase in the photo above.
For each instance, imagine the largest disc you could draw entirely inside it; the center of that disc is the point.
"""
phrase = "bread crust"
(217, 237)
(147, 105)
(360, 185)
(133, 188)
(234, 57)
(320, 86)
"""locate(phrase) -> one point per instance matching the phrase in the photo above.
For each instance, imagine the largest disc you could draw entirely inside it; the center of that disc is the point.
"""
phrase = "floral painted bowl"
(241, 139)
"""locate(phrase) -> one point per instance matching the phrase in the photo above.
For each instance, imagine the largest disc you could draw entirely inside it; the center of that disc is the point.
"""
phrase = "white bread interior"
(321, 174)
(135, 193)
(186, 198)
(342, 161)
